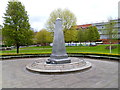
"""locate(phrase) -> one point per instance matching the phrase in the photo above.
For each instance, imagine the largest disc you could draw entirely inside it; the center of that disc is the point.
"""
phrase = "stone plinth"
(59, 55)
(76, 64)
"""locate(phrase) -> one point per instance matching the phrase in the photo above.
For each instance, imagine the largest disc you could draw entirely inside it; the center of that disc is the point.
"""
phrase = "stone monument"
(58, 61)
(59, 55)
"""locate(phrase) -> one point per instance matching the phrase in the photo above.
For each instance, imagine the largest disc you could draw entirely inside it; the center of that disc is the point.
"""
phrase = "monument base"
(75, 65)
(58, 61)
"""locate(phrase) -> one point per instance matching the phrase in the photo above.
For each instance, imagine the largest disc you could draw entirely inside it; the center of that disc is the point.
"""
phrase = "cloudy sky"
(86, 11)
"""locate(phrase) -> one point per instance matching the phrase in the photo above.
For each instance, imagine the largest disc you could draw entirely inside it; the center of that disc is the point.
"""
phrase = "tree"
(111, 31)
(16, 30)
(97, 35)
(82, 35)
(70, 35)
(43, 37)
(93, 34)
(1, 30)
(68, 19)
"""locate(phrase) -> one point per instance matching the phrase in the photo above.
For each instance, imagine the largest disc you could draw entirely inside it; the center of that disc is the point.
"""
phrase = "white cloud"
(86, 11)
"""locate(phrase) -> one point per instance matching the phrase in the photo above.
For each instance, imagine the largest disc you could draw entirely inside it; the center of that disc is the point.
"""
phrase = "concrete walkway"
(103, 74)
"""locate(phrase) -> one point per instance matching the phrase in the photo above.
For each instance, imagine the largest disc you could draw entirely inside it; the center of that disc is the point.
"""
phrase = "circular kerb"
(75, 65)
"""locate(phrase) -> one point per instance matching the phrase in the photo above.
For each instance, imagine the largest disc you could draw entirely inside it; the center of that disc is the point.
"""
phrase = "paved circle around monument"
(75, 65)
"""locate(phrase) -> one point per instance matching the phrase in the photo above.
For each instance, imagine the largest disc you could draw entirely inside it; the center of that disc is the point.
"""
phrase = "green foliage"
(43, 36)
(1, 29)
(70, 35)
(16, 30)
(93, 34)
(68, 19)
(89, 34)
(97, 35)
(82, 35)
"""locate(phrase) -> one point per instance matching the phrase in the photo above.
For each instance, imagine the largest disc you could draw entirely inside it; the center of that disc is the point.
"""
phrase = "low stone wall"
(70, 55)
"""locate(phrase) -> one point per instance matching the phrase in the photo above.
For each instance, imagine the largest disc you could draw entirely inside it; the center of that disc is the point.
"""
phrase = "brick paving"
(103, 74)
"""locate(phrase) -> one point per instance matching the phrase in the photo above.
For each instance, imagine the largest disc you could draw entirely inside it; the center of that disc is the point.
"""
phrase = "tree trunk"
(80, 43)
(90, 43)
(17, 48)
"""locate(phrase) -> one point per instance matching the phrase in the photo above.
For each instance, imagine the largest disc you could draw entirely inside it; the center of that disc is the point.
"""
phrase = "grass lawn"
(71, 49)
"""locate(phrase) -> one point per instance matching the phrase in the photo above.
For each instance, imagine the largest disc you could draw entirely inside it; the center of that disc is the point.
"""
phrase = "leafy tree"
(70, 35)
(68, 19)
(93, 34)
(82, 35)
(97, 35)
(88, 34)
(43, 37)
(1, 30)
(16, 30)
(111, 31)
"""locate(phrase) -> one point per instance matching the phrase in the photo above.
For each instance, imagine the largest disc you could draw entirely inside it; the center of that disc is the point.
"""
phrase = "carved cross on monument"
(59, 55)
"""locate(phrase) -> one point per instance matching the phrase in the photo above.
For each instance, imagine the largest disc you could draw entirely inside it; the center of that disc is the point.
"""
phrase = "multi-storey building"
(101, 26)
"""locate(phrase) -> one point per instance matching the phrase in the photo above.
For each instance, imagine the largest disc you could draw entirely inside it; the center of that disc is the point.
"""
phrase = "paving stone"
(103, 74)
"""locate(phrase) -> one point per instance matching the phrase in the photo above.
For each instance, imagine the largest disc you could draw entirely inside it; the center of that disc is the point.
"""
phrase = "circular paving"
(75, 65)
(103, 74)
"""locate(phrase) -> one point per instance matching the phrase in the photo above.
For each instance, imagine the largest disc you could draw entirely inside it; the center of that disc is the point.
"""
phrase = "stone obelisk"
(59, 55)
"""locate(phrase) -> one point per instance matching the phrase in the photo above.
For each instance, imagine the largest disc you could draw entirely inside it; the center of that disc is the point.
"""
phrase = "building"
(100, 26)
(83, 26)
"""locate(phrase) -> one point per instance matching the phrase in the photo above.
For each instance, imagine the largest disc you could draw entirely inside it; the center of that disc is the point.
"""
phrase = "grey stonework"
(59, 55)
(103, 74)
